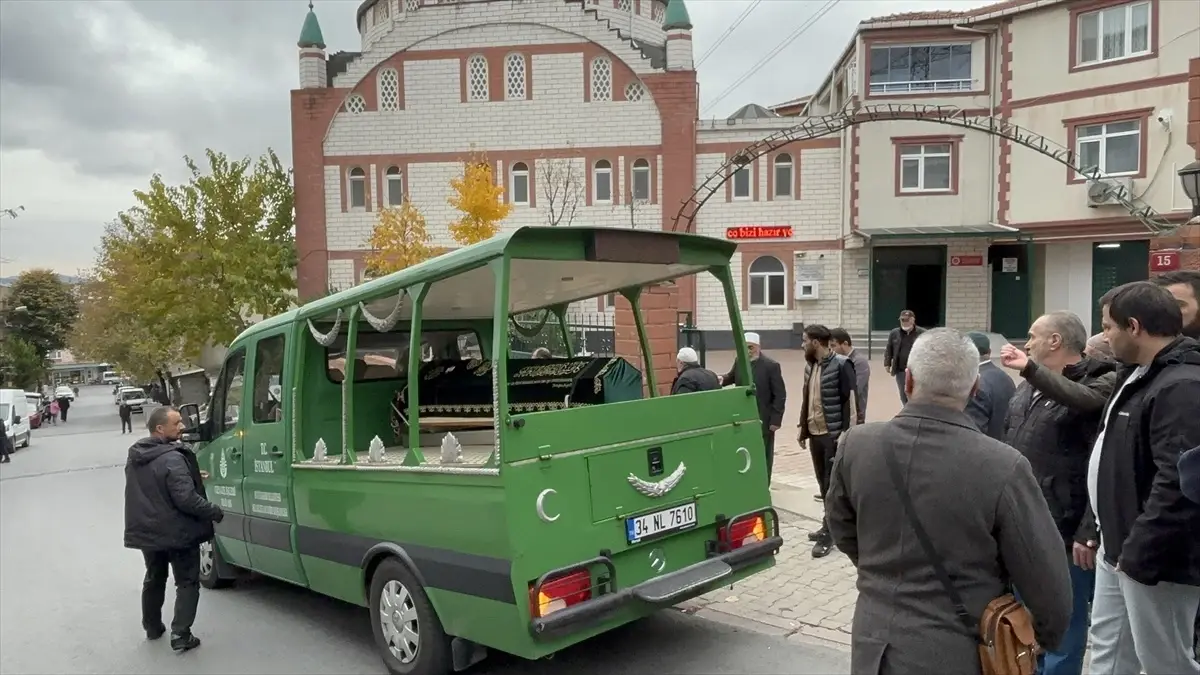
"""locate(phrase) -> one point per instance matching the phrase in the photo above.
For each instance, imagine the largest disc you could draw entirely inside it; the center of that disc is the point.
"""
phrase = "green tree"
(50, 310)
(21, 366)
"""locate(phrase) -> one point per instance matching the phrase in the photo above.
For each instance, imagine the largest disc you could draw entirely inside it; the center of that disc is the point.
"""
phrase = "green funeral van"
(384, 446)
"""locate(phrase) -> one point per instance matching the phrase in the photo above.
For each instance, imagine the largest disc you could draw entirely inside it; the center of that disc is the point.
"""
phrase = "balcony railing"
(921, 86)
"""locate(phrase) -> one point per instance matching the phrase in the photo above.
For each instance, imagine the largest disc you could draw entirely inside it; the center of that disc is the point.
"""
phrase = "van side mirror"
(193, 428)
(16, 419)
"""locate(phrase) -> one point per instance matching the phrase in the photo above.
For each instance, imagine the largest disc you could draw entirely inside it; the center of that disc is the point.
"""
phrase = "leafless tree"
(562, 190)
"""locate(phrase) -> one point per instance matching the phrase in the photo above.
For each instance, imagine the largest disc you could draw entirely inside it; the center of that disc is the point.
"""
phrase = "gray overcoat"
(979, 502)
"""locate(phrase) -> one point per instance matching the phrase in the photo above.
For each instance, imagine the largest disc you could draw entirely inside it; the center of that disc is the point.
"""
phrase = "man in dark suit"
(769, 390)
(977, 500)
(989, 405)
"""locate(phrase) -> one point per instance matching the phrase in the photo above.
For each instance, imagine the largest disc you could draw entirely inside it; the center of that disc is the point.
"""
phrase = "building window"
(783, 175)
(1114, 148)
(768, 282)
(656, 13)
(389, 89)
(381, 11)
(520, 184)
(920, 69)
(602, 182)
(395, 186)
(634, 92)
(625, 5)
(610, 301)
(411, 5)
(641, 180)
(925, 168)
(601, 79)
(356, 104)
(741, 182)
(1114, 33)
(358, 188)
(514, 77)
(477, 78)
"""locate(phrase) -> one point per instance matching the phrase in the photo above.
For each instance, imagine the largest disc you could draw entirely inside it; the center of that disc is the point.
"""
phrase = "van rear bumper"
(662, 591)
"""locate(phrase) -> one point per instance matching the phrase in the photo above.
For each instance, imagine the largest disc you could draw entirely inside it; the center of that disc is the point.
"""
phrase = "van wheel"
(407, 631)
(28, 439)
(210, 562)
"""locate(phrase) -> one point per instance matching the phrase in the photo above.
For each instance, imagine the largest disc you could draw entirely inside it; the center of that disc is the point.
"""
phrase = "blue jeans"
(1068, 658)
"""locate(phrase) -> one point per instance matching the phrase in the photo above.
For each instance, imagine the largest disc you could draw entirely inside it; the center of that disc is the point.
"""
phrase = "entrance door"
(1113, 264)
(225, 476)
(908, 277)
(266, 489)
(1010, 290)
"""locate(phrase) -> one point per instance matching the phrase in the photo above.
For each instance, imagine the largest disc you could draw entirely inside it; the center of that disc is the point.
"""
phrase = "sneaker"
(822, 549)
(156, 632)
(184, 643)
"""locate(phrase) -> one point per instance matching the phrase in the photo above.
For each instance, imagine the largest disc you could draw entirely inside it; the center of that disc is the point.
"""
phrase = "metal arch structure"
(827, 125)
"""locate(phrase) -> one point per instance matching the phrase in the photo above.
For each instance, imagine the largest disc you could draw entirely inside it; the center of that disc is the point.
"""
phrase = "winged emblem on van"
(660, 488)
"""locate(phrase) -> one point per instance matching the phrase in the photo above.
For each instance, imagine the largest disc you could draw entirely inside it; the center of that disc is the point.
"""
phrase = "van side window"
(268, 380)
(227, 403)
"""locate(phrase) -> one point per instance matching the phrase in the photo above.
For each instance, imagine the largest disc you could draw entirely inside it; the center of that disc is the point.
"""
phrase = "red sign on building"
(758, 232)
(1164, 261)
(966, 260)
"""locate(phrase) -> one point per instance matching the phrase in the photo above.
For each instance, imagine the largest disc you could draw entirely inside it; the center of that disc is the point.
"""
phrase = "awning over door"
(875, 234)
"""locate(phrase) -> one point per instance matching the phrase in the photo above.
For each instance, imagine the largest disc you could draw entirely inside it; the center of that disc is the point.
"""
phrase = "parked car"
(63, 391)
(35, 409)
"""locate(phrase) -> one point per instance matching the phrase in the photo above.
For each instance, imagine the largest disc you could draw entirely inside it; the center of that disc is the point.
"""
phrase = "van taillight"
(560, 593)
(743, 532)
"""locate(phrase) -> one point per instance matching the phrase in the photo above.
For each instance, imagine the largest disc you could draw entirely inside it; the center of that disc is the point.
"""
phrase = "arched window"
(395, 186)
(412, 5)
(389, 89)
(625, 5)
(783, 175)
(514, 77)
(641, 180)
(358, 188)
(657, 12)
(477, 78)
(768, 282)
(381, 11)
(519, 188)
(602, 186)
(601, 79)
(356, 104)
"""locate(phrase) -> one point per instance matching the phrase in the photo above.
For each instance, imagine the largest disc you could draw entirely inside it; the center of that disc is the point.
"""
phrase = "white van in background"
(109, 377)
(14, 410)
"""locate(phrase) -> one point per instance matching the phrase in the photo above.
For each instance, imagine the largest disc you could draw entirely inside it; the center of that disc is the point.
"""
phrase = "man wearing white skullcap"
(768, 389)
(691, 375)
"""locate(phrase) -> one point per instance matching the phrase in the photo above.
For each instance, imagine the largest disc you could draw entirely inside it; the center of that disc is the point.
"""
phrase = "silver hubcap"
(398, 618)
(206, 559)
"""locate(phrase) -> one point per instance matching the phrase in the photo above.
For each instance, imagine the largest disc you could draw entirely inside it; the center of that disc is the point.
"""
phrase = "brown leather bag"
(1005, 631)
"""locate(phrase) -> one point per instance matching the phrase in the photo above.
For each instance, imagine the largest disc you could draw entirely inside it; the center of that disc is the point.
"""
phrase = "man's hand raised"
(1013, 358)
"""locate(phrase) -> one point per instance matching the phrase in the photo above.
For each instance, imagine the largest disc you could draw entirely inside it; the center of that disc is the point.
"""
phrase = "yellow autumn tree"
(478, 198)
(399, 240)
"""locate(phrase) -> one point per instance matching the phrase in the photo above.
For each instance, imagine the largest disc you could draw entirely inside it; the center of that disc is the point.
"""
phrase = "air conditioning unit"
(1109, 191)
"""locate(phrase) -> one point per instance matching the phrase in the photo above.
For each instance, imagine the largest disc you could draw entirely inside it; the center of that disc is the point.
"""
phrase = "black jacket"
(988, 408)
(165, 503)
(125, 411)
(768, 389)
(694, 378)
(1053, 420)
(899, 344)
(839, 395)
(1146, 524)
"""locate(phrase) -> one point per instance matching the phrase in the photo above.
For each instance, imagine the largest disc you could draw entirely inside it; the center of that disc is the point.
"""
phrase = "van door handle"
(276, 452)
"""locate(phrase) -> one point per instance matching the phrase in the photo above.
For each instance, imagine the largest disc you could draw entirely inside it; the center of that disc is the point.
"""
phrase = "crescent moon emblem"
(745, 453)
(541, 506)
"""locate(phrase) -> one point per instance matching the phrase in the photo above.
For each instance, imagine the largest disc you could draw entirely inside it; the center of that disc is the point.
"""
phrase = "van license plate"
(660, 522)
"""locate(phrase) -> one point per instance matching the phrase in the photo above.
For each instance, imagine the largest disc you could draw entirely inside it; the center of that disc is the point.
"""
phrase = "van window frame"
(222, 390)
(282, 336)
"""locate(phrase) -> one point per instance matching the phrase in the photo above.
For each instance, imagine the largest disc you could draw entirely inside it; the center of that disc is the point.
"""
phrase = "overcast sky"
(95, 97)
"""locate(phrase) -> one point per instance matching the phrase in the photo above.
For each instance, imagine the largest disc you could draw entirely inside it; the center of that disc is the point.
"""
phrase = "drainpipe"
(993, 141)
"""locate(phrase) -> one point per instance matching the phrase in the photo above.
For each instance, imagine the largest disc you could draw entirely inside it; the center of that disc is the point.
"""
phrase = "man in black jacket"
(1148, 570)
(988, 406)
(1185, 286)
(167, 516)
(691, 376)
(4, 451)
(829, 407)
(899, 344)
(768, 390)
(1052, 421)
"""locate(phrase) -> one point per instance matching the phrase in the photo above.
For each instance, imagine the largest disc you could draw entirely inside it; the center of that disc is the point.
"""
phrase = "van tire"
(432, 655)
(28, 438)
(211, 564)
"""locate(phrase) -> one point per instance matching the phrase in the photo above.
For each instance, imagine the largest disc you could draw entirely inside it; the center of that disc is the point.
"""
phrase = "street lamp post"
(1189, 176)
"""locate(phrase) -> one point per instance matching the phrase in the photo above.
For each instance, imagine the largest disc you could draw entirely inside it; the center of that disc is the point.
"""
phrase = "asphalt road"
(69, 593)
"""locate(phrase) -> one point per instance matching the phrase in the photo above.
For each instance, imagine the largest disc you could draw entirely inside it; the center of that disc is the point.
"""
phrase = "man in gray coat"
(975, 497)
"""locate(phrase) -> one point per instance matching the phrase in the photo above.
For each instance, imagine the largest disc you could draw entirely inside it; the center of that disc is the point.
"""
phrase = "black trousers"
(769, 443)
(823, 448)
(184, 564)
(126, 423)
(63, 411)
